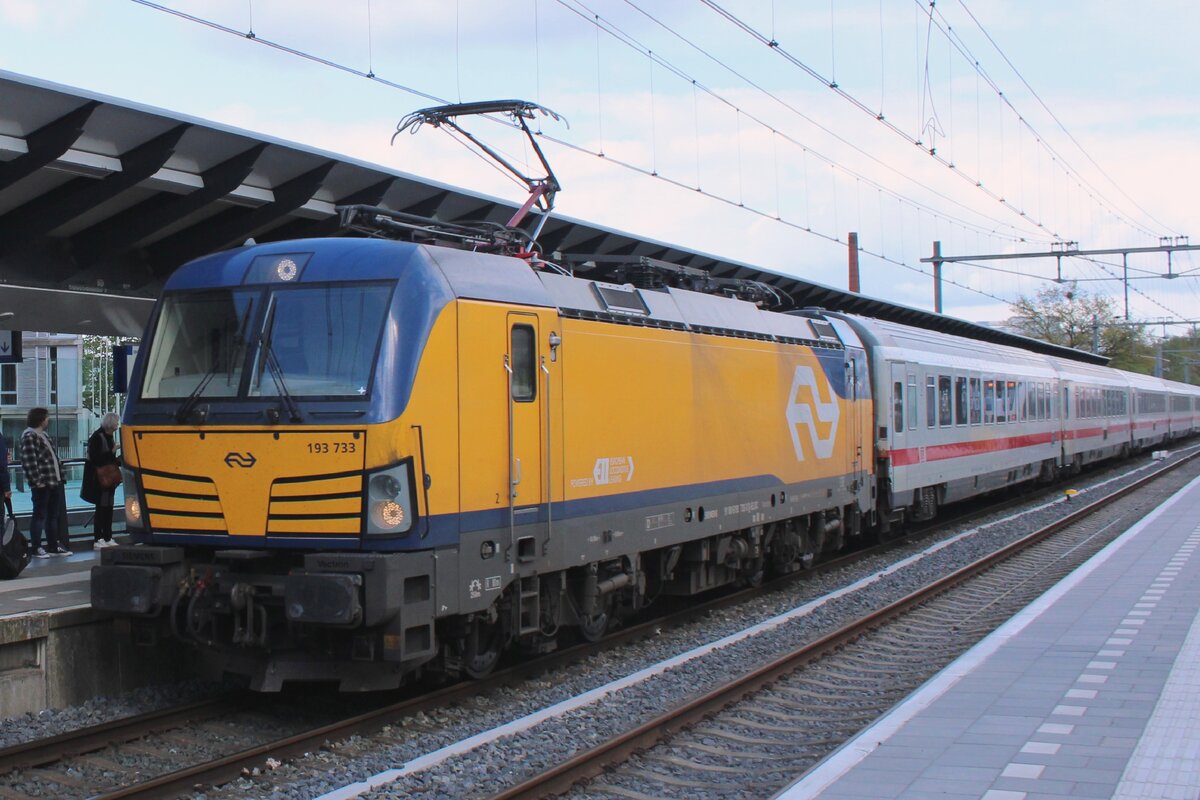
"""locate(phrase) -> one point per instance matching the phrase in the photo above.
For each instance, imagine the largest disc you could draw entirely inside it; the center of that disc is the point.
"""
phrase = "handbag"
(15, 554)
(108, 476)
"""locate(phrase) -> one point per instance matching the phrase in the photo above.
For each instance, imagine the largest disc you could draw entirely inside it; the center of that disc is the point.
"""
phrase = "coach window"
(912, 401)
(945, 402)
(930, 401)
(976, 402)
(961, 402)
(989, 402)
(1001, 406)
(898, 407)
(524, 371)
(1022, 401)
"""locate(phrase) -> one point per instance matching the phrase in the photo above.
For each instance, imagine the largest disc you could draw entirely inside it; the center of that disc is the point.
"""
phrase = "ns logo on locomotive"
(360, 459)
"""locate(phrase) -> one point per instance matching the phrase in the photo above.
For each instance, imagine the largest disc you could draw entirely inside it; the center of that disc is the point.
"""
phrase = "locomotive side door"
(527, 404)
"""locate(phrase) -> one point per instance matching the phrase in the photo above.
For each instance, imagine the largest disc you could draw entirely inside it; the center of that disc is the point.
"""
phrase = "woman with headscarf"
(101, 451)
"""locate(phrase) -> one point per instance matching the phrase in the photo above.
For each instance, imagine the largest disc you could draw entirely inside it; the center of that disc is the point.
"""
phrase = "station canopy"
(101, 199)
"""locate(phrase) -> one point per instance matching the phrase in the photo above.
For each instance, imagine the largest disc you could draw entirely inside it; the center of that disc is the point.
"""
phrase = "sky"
(757, 130)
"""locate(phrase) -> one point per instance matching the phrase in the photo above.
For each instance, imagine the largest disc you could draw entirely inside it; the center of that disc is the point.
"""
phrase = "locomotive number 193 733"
(333, 447)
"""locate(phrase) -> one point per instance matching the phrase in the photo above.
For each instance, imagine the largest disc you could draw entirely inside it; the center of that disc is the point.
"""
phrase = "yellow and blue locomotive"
(355, 459)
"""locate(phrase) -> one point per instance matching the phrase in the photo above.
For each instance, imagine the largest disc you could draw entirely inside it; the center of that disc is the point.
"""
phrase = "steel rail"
(230, 767)
(85, 740)
(96, 737)
(221, 770)
(592, 762)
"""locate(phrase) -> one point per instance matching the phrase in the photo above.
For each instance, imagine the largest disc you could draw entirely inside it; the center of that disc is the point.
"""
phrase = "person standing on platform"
(101, 452)
(45, 475)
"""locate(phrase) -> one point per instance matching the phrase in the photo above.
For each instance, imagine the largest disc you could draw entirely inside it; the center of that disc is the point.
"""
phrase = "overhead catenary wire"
(918, 208)
(1056, 119)
(296, 52)
(781, 51)
(1094, 193)
(1017, 234)
(854, 101)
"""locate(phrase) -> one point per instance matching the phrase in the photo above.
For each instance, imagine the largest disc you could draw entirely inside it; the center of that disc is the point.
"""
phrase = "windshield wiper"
(189, 402)
(239, 340)
(285, 397)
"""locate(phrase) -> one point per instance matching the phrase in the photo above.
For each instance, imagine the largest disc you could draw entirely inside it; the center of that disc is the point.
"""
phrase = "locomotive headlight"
(389, 501)
(133, 512)
(387, 514)
(384, 487)
(133, 506)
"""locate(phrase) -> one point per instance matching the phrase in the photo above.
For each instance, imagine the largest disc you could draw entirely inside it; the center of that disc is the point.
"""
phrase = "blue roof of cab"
(470, 275)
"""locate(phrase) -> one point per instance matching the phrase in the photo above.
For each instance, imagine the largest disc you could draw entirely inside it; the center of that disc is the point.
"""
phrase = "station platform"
(48, 584)
(1093, 691)
(55, 650)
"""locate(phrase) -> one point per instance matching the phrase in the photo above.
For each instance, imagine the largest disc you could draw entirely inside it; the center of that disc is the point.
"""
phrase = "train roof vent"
(620, 299)
(824, 329)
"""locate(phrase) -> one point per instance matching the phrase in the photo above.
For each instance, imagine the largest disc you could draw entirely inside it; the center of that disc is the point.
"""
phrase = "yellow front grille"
(184, 503)
(330, 504)
(252, 483)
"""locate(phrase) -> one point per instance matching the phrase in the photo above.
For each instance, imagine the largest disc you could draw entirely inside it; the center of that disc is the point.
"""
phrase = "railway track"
(61, 762)
(759, 731)
(87, 762)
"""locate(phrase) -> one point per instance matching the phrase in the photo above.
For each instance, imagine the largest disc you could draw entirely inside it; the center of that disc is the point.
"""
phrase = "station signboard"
(123, 358)
(10, 347)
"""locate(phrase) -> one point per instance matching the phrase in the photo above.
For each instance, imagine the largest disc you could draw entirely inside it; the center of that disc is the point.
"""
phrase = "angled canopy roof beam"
(46, 144)
(304, 228)
(235, 225)
(42, 215)
(428, 207)
(121, 232)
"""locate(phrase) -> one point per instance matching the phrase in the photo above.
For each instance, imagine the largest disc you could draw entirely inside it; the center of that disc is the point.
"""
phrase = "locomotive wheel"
(481, 648)
(592, 628)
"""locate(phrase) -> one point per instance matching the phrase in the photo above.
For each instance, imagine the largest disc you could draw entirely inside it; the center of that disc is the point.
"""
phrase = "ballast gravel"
(481, 771)
(53, 721)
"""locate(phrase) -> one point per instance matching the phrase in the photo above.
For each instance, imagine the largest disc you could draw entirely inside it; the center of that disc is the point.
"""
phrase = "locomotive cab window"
(199, 339)
(320, 341)
(524, 368)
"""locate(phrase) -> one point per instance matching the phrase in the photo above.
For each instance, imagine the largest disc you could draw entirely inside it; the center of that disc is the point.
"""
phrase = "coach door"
(898, 393)
(527, 403)
(856, 389)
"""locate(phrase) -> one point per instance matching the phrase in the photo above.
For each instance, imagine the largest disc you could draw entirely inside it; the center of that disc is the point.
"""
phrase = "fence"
(79, 511)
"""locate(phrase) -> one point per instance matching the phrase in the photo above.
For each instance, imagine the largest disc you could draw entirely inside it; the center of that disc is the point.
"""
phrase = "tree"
(1181, 357)
(98, 396)
(1063, 314)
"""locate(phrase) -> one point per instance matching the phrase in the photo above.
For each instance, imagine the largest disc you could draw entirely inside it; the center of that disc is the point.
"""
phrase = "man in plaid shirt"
(45, 476)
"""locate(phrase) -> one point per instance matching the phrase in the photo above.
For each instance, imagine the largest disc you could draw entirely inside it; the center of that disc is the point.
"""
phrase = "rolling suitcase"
(15, 554)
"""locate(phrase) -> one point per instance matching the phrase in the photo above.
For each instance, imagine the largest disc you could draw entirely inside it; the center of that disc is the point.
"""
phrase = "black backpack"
(15, 554)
